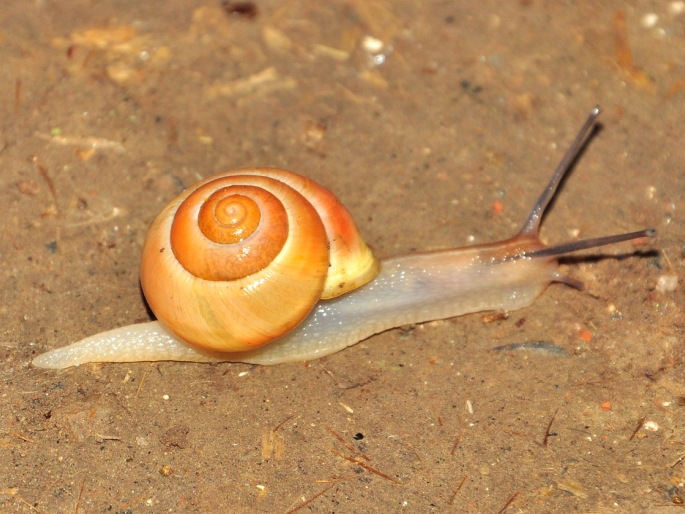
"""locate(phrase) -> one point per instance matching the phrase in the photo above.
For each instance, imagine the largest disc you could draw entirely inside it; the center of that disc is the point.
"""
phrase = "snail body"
(356, 297)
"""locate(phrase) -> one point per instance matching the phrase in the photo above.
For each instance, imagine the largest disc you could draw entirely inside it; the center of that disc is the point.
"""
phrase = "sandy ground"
(437, 125)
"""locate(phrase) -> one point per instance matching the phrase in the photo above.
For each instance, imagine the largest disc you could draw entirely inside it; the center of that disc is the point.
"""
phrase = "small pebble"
(372, 44)
(650, 20)
(667, 283)
(652, 426)
(676, 7)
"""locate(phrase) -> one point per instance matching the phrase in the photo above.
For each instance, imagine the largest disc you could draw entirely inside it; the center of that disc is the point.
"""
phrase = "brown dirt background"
(466, 104)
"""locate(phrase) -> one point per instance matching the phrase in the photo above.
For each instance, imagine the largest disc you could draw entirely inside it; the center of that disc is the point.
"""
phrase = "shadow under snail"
(265, 266)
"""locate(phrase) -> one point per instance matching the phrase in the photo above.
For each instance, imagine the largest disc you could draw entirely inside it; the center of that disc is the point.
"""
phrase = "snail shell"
(242, 257)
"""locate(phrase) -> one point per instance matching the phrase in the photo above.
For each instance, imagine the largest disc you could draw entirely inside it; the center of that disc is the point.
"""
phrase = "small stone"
(651, 426)
(667, 283)
(650, 20)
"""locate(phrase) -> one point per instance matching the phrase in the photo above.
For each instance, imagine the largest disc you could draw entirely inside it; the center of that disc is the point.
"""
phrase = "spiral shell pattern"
(241, 258)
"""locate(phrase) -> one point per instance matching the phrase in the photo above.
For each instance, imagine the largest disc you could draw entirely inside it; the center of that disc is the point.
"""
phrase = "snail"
(226, 290)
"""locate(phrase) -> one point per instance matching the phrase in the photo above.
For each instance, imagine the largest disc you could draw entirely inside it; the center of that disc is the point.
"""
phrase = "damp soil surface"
(437, 124)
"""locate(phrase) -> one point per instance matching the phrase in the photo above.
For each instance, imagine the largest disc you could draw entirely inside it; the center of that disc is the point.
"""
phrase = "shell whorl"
(242, 257)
